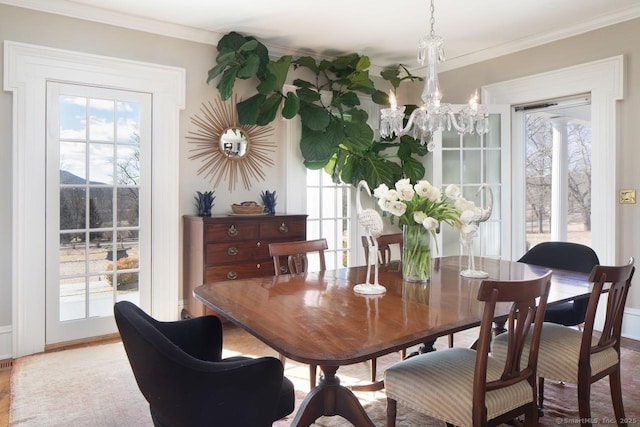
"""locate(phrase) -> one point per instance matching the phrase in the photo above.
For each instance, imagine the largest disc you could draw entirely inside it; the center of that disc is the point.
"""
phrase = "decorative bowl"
(246, 209)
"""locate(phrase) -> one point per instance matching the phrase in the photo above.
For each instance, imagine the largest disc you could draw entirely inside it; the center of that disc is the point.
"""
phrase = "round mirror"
(234, 143)
(227, 149)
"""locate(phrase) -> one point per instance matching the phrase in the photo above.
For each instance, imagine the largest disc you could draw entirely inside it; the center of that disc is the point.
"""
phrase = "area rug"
(94, 386)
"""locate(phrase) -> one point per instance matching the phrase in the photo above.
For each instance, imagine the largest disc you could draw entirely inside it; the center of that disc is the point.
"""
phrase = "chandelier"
(433, 115)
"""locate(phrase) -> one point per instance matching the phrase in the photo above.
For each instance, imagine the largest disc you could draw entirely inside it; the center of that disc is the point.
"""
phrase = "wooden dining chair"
(298, 262)
(467, 387)
(296, 253)
(578, 356)
(385, 242)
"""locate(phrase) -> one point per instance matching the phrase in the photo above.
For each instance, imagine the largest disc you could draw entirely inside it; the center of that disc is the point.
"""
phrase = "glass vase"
(416, 253)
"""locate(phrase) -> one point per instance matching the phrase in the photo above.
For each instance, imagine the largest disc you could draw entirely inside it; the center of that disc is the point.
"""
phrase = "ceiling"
(474, 30)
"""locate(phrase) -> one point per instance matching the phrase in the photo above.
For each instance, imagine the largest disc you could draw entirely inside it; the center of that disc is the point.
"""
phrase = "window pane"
(73, 254)
(101, 113)
(73, 117)
(72, 208)
(128, 165)
(471, 165)
(128, 122)
(128, 214)
(451, 166)
(72, 299)
(101, 163)
(471, 140)
(100, 297)
(492, 138)
(313, 202)
(329, 202)
(101, 207)
(492, 166)
(73, 163)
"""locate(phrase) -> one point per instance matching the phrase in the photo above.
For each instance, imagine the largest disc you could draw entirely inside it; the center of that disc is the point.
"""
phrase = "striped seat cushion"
(440, 384)
(558, 353)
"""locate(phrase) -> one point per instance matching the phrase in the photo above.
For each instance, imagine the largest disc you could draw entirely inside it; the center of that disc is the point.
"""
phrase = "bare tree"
(579, 137)
(539, 147)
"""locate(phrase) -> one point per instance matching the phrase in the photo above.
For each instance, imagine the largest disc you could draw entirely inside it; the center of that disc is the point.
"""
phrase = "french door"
(469, 161)
(97, 207)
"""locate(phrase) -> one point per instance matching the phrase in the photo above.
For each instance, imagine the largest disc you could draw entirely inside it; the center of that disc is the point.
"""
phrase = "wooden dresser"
(224, 247)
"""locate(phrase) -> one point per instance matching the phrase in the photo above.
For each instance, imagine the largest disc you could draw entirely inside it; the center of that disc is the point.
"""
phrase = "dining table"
(317, 318)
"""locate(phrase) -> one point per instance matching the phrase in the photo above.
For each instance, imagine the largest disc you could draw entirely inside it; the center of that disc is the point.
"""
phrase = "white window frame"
(27, 68)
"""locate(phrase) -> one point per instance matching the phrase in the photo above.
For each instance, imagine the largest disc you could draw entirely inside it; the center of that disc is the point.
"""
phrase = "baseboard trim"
(6, 335)
(631, 324)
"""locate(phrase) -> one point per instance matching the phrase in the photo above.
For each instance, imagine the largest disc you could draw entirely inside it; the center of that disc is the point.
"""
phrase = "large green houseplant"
(335, 134)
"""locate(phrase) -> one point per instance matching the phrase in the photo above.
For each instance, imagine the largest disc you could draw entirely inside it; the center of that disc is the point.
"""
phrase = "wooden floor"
(5, 377)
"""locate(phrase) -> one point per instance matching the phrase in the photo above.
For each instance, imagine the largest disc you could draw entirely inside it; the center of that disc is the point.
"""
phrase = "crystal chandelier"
(433, 115)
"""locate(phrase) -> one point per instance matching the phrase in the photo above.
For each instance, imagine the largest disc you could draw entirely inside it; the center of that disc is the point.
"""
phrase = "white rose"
(380, 191)
(423, 188)
(405, 191)
(419, 217)
(452, 191)
(397, 208)
(430, 223)
(434, 194)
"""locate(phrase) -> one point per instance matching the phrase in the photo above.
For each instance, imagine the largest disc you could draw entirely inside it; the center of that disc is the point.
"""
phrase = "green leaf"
(314, 117)
(357, 115)
(308, 95)
(249, 109)
(291, 106)
(390, 74)
(363, 63)
(225, 57)
(248, 46)
(269, 109)
(231, 42)
(268, 85)
(350, 99)
(314, 165)
(302, 83)
(279, 69)
(226, 82)
(308, 62)
(216, 71)
(250, 67)
(315, 146)
(380, 98)
(413, 169)
(359, 136)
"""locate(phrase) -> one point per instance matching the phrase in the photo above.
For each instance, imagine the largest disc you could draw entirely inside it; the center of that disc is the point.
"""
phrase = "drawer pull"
(232, 251)
(232, 275)
(283, 228)
(232, 231)
(284, 270)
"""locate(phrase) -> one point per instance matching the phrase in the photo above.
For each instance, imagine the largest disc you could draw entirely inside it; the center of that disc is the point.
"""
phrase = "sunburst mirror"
(227, 149)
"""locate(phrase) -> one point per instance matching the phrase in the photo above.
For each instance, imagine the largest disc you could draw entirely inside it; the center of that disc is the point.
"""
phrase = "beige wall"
(22, 25)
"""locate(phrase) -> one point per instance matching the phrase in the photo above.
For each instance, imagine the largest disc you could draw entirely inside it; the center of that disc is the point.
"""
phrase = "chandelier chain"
(433, 19)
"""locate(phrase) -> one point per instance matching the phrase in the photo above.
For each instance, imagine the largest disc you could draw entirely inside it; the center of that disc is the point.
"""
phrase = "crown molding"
(90, 13)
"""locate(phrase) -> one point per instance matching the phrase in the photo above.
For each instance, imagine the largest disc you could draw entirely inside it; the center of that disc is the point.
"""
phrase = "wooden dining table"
(317, 318)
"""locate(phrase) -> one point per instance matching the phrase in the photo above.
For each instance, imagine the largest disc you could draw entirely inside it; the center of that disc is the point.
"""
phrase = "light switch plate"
(627, 196)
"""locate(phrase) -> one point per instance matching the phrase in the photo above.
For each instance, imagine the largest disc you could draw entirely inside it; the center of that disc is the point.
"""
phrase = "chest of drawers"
(227, 247)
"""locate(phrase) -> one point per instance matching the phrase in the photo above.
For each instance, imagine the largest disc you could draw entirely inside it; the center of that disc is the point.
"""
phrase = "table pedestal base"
(329, 398)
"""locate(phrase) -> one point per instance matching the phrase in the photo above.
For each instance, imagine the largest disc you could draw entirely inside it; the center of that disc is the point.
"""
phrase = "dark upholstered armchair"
(180, 371)
(565, 256)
